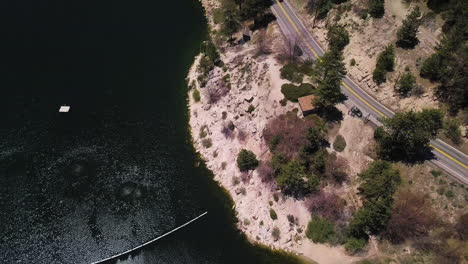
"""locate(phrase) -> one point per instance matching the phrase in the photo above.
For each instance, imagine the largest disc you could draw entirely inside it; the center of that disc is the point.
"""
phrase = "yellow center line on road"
(349, 88)
(318, 57)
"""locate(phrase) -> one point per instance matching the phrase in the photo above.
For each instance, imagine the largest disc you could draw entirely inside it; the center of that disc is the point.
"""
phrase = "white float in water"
(64, 109)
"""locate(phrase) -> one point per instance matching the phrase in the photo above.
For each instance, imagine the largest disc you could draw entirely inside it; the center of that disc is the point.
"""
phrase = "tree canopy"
(294, 180)
(376, 8)
(338, 37)
(385, 63)
(406, 84)
(330, 71)
(407, 32)
(406, 135)
(246, 160)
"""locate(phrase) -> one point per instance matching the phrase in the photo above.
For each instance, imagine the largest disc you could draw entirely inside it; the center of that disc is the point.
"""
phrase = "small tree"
(338, 37)
(385, 62)
(319, 229)
(406, 84)
(246, 160)
(294, 180)
(407, 33)
(376, 8)
(326, 205)
(353, 245)
(452, 130)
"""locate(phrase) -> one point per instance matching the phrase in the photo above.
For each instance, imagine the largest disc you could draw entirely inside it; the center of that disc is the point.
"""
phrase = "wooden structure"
(306, 104)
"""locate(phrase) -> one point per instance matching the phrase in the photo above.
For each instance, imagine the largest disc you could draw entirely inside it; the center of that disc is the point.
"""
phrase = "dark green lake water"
(119, 169)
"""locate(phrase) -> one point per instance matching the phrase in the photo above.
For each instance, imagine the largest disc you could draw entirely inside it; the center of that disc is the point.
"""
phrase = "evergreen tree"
(338, 37)
(385, 62)
(406, 135)
(408, 31)
(319, 8)
(376, 8)
(331, 71)
(406, 84)
(254, 8)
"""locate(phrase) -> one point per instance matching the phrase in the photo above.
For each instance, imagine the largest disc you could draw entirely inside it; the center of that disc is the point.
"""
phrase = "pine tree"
(377, 8)
(331, 71)
(408, 31)
(406, 84)
(338, 37)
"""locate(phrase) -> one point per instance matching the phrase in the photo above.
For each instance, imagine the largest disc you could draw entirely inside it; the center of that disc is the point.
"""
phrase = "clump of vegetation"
(378, 184)
(283, 102)
(447, 66)
(276, 233)
(276, 197)
(326, 205)
(207, 143)
(273, 214)
(339, 144)
(246, 160)
(250, 109)
(291, 219)
(319, 230)
(406, 136)
(223, 165)
(203, 131)
(376, 8)
(412, 217)
(407, 33)
(338, 37)
(354, 245)
(287, 134)
(224, 115)
(292, 92)
(291, 73)
(196, 95)
(294, 180)
(406, 84)
(452, 130)
(385, 63)
(352, 62)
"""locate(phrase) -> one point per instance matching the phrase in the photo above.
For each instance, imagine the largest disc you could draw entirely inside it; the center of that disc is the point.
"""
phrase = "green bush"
(273, 214)
(291, 72)
(274, 142)
(293, 92)
(452, 130)
(196, 95)
(250, 109)
(319, 229)
(339, 144)
(246, 160)
(353, 245)
(436, 173)
(450, 194)
(406, 84)
(352, 62)
(378, 75)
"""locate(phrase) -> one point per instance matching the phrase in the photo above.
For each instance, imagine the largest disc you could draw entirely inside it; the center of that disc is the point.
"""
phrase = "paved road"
(447, 158)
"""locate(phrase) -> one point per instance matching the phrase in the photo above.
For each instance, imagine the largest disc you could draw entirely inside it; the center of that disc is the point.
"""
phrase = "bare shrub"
(290, 52)
(216, 91)
(336, 169)
(227, 131)
(412, 216)
(265, 172)
(263, 43)
(326, 205)
(241, 135)
(289, 133)
(245, 177)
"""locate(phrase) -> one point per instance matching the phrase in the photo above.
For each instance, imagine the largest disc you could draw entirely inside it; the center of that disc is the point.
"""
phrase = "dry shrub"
(245, 177)
(292, 132)
(265, 172)
(241, 135)
(263, 43)
(336, 169)
(412, 216)
(227, 131)
(216, 91)
(327, 205)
